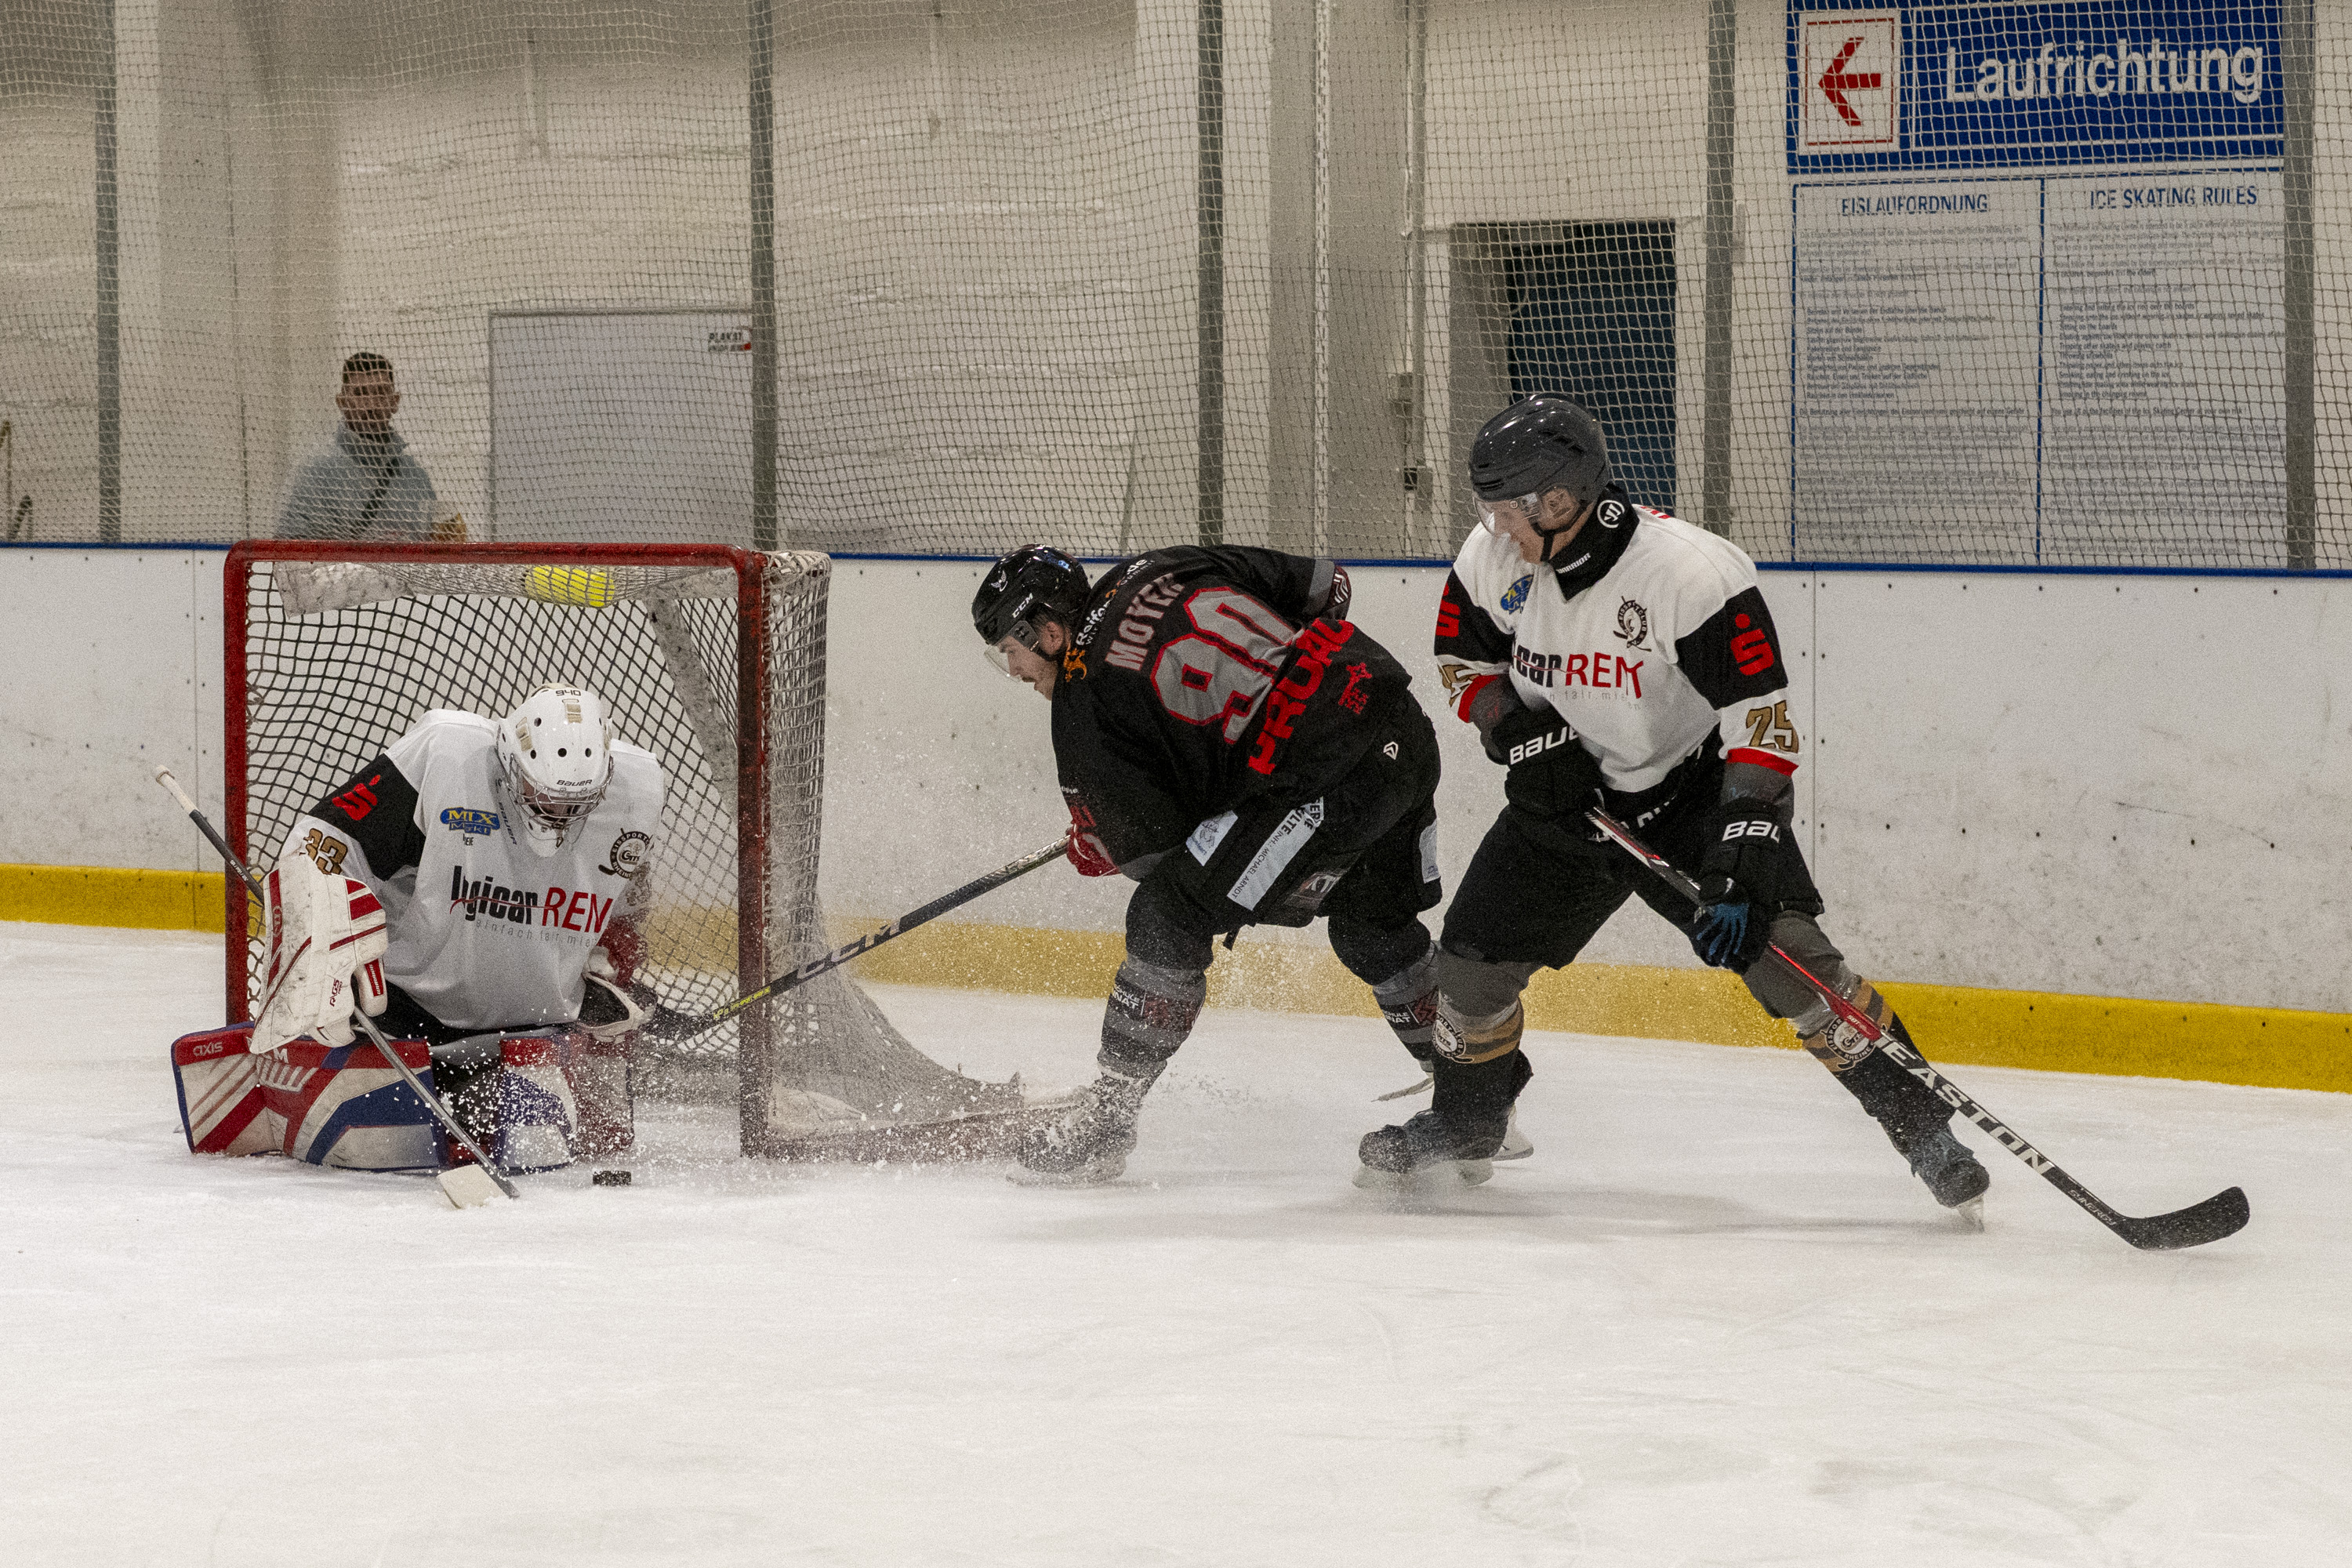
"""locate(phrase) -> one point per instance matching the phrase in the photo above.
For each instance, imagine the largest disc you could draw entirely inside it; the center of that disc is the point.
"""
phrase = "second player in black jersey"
(1228, 739)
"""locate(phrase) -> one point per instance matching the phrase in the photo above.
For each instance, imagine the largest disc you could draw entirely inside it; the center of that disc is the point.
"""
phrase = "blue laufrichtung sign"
(2035, 84)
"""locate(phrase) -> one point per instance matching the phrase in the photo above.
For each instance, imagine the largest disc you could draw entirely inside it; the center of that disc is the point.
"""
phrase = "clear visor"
(1000, 652)
(1499, 517)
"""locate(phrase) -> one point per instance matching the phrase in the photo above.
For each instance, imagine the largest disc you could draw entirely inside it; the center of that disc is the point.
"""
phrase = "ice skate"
(1425, 1153)
(1085, 1145)
(1954, 1176)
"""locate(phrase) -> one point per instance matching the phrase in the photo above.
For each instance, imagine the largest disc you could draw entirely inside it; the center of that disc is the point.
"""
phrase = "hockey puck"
(610, 1178)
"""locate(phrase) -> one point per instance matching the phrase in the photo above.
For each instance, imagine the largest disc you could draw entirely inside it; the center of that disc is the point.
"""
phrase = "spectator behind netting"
(364, 486)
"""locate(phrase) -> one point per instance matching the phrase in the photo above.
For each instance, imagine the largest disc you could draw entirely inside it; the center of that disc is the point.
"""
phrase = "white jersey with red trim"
(1662, 638)
(484, 933)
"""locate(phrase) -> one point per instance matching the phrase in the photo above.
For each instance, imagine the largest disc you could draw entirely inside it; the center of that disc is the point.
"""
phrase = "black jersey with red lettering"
(1202, 679)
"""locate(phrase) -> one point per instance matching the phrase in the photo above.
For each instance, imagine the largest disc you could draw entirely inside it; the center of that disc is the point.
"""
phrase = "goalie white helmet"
(556, 752)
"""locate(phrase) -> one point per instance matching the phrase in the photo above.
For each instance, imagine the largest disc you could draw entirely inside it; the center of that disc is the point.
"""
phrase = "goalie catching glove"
(327, 942)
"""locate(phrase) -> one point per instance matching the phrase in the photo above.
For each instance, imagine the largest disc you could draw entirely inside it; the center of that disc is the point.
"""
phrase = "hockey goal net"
(713, 659)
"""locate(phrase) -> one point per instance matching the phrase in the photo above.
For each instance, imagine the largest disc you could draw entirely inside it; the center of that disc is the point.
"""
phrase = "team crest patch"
(626, 859)
(468, 819)
(1516, 594)
(1632, 623)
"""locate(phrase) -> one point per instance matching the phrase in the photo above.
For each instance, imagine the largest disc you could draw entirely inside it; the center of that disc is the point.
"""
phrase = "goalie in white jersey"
(478, 888)
(1611, 654)
(514, 860)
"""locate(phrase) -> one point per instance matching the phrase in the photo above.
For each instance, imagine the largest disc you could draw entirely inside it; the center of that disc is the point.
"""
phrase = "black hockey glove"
(1748, 870)
(1552, 776)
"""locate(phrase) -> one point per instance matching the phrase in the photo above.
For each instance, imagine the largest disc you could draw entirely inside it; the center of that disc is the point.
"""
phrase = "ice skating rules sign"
(2037, 263)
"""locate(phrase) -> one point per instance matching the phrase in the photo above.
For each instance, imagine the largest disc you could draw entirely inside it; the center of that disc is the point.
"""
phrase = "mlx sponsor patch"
(466, 819)
(1517, 595)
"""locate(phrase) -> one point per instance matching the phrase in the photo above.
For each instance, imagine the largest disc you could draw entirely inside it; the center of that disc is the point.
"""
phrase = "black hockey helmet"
(1035, 583)
(1542, 442)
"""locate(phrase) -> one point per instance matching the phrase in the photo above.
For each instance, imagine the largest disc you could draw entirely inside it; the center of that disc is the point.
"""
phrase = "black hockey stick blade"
(2223, 1214)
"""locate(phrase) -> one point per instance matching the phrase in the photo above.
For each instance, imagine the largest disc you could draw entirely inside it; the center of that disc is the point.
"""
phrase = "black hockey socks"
(1915, 1121)
(1150, 1010)
(1475, 1100)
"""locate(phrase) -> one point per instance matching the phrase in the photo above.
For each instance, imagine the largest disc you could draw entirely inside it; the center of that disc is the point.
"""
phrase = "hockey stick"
(2223, 1214)
(462, 1190)
(671, 1026)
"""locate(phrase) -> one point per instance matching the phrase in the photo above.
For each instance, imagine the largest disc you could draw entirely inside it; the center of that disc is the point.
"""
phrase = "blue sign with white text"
(2035, 84)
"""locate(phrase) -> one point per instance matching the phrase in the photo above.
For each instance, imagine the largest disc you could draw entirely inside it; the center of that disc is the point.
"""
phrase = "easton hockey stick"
(672, 1026)
(463, 1190)
(2223, 1214)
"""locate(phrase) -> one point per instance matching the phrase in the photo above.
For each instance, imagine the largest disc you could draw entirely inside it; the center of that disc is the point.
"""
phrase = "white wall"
(109, 668)
(2100, 785)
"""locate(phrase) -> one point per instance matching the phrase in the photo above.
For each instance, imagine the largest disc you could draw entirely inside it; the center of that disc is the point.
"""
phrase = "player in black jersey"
(1227, 739)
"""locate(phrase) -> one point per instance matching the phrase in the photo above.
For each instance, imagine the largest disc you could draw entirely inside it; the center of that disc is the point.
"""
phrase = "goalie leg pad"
(348, 1107)
(222, 1108)
(516, 1094)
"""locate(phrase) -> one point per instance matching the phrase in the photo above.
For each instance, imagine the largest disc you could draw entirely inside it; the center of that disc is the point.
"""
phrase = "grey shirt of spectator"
(360, 490)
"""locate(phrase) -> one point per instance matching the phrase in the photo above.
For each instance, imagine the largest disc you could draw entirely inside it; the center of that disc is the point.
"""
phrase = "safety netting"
(2039, 283)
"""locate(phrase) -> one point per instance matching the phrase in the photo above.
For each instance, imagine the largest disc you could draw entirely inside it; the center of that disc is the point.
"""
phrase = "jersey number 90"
(1217, 675)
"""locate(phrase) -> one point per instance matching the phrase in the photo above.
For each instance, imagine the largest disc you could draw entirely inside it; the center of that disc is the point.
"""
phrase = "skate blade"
(1445, 1175)
(1090, 1176)
(1971, 1213)
(1516, 1146)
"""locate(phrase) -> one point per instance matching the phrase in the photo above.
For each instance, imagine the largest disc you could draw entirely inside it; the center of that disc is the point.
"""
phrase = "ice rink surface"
(1712, 1321)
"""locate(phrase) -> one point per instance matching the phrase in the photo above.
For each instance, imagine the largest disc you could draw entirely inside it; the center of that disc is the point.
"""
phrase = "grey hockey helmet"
(1542, 442)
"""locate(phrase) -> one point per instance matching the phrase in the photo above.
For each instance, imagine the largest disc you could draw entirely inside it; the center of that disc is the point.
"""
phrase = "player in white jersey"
(479, 887)
(1612, 655)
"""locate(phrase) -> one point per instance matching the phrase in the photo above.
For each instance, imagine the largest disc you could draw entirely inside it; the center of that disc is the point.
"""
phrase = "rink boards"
(2081, 790)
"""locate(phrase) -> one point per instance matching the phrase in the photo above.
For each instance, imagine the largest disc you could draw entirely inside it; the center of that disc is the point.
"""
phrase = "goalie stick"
(672, 1026)
(462, 1189)
(2223, 1214)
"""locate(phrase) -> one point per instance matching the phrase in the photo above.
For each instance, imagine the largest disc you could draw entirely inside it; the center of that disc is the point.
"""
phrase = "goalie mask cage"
(711, 658)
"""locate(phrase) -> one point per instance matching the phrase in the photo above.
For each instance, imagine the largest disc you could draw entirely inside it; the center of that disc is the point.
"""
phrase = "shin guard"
(1150, 1012)
(1408, 1001)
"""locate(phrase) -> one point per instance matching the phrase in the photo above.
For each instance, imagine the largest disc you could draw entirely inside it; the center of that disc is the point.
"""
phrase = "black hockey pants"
(1538, 890)
(1362, 853)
